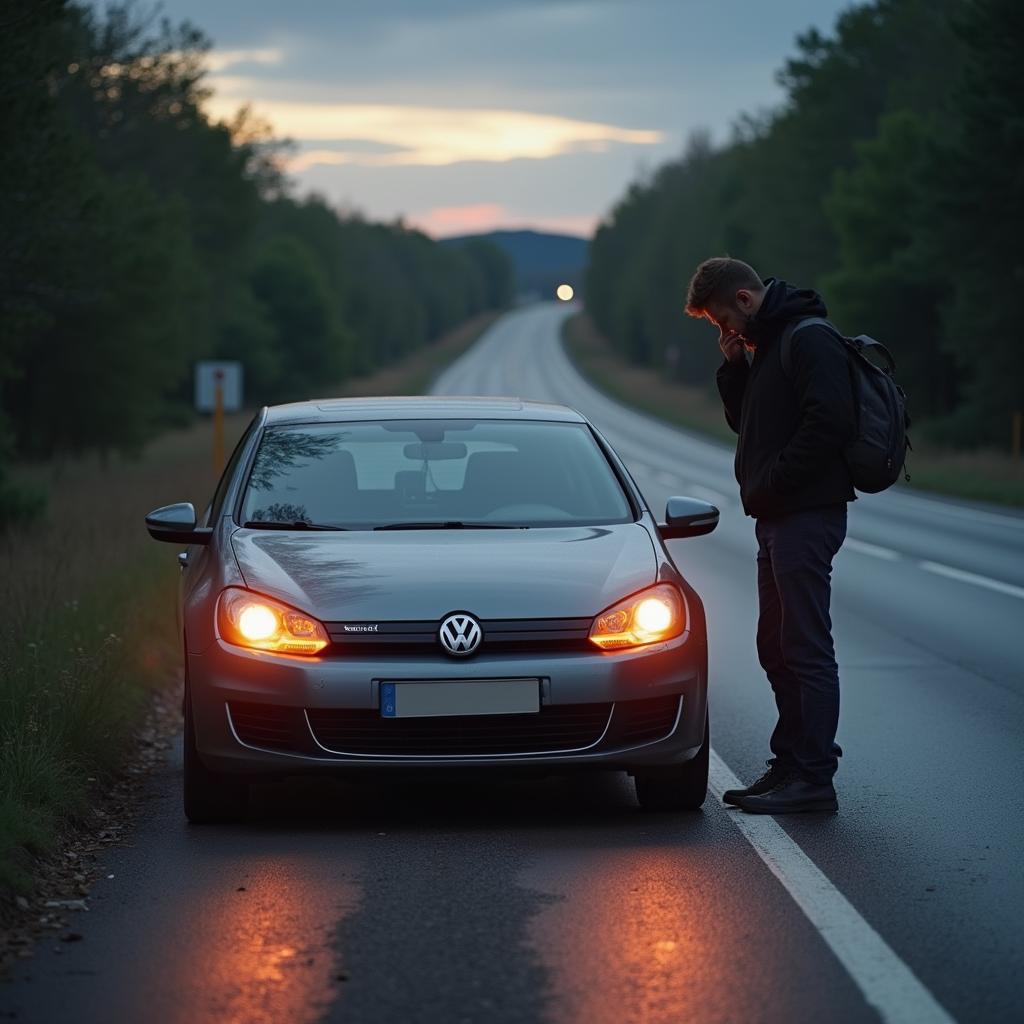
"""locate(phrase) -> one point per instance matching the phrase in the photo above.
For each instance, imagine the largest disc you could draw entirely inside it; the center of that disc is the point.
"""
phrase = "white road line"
(871, 549)
(886, 981)
(969, 577)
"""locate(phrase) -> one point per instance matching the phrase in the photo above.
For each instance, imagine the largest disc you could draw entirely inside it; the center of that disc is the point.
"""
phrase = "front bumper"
(305, 689)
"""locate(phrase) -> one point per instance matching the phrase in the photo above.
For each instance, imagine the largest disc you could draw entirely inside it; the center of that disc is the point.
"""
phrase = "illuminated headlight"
(263, 624)
(258, 622)
(657, 613)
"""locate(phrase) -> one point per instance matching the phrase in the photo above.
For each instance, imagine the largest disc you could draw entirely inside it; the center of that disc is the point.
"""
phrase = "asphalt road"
(557, 900)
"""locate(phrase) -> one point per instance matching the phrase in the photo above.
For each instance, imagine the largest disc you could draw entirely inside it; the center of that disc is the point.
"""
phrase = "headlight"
(657, 613)
(263, 624)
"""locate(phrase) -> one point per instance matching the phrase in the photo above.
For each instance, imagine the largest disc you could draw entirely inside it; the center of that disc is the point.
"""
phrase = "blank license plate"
(460, 697)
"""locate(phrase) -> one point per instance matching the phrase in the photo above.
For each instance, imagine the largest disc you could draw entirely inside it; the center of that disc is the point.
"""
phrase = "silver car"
(424, 583)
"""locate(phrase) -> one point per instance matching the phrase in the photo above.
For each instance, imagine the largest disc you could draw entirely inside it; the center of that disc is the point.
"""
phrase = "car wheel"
(680, 787)
(209, 797)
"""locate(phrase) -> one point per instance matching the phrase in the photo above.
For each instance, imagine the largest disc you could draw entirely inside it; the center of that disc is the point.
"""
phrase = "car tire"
(677, 788)
(209, 797)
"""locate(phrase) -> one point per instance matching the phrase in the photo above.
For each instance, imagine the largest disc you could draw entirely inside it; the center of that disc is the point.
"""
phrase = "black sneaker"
(775, 776)
(792, 797)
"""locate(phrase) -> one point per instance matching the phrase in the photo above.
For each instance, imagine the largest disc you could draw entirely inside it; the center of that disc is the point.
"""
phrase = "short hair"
(717, 280)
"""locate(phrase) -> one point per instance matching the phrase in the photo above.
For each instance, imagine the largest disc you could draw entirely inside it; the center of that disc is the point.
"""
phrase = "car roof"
(403, 407)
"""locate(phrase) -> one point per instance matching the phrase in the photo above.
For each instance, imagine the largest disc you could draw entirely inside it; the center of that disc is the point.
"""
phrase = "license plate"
(430, 699)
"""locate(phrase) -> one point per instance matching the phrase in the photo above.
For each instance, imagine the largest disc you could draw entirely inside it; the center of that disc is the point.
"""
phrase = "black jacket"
(789, 456)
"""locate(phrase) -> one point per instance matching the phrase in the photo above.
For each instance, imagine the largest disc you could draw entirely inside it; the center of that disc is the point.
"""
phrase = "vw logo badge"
(460, 634)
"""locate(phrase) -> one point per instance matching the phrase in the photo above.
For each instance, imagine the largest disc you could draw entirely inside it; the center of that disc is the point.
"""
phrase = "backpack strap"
(865, 344)
(786, 341)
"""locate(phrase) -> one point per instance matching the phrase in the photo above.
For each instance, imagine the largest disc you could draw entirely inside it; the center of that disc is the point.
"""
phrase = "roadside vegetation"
(89, 628)
(983, 475)
(88, 632)
(888, 179)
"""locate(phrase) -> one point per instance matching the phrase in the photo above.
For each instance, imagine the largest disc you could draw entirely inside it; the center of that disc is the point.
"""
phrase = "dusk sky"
(464, 115)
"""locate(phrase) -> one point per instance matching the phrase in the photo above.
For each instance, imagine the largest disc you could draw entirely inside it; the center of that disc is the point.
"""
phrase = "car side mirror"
(177, 524)
(687, 517)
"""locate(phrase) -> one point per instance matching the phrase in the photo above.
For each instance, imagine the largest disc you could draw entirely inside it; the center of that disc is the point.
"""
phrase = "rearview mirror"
(687, 517)
(177, 524)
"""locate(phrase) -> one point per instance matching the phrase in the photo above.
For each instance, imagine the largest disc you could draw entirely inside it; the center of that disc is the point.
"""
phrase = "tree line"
(138, 235)
(889, 178)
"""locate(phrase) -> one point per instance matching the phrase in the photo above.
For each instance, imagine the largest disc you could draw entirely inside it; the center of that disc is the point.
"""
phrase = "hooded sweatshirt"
(792, 430)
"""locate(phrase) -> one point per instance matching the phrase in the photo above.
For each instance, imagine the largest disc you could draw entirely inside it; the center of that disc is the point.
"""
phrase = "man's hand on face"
(731, 345)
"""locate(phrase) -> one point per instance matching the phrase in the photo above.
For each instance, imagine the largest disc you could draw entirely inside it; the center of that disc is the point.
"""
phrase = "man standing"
(793, 424)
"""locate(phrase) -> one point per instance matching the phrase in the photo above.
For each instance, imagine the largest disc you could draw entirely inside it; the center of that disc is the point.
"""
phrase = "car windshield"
(423, 474)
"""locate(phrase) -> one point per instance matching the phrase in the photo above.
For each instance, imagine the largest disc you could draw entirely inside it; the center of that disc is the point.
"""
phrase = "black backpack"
(878, 451)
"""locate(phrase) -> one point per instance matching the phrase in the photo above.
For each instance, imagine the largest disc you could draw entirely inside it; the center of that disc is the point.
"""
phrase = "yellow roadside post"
(218, 391)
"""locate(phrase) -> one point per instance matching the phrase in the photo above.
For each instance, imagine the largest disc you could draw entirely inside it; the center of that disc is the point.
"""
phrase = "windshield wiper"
(451, 524)
(270, 524)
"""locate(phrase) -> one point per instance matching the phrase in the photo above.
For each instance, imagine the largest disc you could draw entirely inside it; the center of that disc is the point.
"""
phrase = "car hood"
(418, 575)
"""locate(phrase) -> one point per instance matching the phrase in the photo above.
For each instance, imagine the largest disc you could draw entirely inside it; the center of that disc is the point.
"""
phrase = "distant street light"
(564, 292)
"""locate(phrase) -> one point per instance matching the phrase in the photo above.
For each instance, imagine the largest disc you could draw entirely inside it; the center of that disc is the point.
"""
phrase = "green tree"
(887, 286)
(248, 336)
(978, 216)
(120, 341)
(312, 347)
(40, 192)
(496, 270)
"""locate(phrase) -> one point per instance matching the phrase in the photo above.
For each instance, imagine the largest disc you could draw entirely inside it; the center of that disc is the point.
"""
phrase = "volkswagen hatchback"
(432, 583)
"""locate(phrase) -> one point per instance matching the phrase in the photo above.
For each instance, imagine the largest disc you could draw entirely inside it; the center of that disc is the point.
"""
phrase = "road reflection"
(262, 954)
(648, 945)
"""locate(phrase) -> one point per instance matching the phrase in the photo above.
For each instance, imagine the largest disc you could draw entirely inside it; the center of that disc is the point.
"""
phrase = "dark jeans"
(794, 635)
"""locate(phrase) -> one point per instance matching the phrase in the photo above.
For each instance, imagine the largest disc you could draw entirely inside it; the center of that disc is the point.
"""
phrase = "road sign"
(210, 374)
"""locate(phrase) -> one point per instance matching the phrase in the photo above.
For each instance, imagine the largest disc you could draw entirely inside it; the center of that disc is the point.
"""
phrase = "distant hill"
(542, 261)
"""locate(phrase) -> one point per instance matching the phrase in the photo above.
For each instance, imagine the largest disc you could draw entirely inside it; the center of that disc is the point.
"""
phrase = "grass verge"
(89, 630)
(88, 633)
(977, 475)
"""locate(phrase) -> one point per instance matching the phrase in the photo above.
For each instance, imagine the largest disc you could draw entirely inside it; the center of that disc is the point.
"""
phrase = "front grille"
(270, 726)
(554, 728)
(501, 636)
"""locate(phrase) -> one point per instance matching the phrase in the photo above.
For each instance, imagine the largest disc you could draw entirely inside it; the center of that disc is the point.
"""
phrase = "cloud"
(220, 60)
(432, 136)
(409, 68)
(340, 156)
